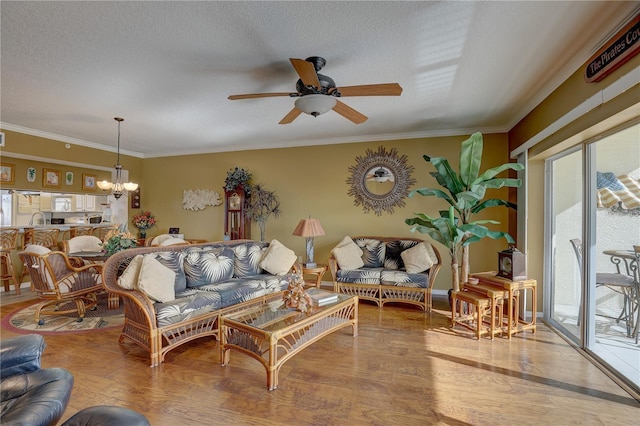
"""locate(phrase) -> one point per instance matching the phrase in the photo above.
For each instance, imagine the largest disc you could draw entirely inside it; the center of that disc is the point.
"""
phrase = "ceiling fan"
(381, 174)
(318, 93)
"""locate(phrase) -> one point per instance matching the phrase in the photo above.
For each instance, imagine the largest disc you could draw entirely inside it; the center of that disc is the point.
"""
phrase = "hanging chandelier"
(118, 188)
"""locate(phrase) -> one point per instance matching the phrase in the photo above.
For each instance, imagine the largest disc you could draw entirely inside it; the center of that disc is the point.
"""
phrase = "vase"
(143, 233)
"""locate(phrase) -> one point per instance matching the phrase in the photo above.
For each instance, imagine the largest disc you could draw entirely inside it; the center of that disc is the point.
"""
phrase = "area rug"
(23, 320)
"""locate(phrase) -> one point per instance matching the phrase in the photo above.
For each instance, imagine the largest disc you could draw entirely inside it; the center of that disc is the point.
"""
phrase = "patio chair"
(620, 283)
(58, 282)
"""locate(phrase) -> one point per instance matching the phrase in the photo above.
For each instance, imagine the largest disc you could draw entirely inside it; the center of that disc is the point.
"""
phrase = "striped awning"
(620, 192)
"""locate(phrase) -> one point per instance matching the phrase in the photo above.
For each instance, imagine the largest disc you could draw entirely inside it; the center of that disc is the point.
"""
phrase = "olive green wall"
(312, 181)
(308, 181)
(34, 146)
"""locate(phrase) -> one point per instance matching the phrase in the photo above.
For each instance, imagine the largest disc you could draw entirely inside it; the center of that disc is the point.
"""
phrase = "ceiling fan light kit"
(315, 104)
(317, 93)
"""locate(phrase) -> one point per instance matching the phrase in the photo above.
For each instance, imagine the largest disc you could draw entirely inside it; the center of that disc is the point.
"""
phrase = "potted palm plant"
(465, 193)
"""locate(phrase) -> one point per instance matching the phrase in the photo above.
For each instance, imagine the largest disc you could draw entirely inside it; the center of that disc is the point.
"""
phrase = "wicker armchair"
(58, 282)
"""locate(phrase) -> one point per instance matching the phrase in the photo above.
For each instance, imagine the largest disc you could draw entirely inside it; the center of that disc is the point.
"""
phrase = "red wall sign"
(622, 47)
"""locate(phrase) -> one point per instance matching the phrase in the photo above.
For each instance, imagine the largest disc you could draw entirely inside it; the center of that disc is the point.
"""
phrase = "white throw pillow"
(84, 243)
(172, 242)
(348, 254)
(130, 276)
(159, 239)
(278, 259)
(156, 280)
(419, 258)
(36, 249)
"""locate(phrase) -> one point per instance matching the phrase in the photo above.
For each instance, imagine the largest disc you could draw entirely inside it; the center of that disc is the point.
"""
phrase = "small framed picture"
(8, 173)
(174, 231)
(68, 178)
(50, 178)
(88, 182)
(1, 139)
(31, 174)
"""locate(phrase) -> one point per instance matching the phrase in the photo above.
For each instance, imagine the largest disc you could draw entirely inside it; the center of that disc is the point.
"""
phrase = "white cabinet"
(90, 203)
(45, 201)
(85, 203)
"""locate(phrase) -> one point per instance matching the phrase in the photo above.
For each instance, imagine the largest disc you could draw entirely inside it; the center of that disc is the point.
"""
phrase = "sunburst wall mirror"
(380, 180)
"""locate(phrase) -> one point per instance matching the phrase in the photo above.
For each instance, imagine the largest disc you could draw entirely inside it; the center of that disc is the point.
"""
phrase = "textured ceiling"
(68, 68)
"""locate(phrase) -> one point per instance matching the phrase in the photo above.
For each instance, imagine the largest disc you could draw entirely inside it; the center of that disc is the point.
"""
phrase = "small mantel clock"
(236, 225)
(511, 264)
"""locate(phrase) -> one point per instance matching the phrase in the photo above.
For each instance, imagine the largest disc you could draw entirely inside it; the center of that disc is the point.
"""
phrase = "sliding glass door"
(564, 201)
(592, 225)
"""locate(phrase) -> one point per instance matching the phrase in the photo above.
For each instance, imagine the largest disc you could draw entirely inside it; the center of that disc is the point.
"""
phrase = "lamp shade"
(315, 104)
(308, 228)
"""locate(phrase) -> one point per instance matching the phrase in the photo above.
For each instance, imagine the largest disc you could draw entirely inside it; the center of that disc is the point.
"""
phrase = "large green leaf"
(426, 192)
(492, 202)
(470, 158)
(448, 175)
(491, 173)
(497, 183)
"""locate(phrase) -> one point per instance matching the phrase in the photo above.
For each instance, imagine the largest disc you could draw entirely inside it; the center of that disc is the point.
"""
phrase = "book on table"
(322, 297)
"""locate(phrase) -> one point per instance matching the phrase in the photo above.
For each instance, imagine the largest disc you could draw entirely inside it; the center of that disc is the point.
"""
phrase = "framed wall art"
(68, 178)
(88, 182)
(50, 178)
(31, 174)
(8, 173)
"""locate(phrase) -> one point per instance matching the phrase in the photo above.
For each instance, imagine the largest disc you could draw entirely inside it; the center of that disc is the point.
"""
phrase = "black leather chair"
(30, 395)
(37, 396)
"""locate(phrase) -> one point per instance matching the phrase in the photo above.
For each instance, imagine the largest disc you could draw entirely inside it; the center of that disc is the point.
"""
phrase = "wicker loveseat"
(203, 281)
(385, 269)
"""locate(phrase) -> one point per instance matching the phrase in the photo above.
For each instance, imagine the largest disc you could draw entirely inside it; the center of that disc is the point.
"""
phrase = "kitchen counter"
(62, 228)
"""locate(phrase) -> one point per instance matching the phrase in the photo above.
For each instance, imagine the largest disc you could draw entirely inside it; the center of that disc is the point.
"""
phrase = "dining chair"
(102, 231)
(8, 242)
(635, 301)
(620, 283)
(76, 231)
(58, 283)
(47, 237)
(82, 243)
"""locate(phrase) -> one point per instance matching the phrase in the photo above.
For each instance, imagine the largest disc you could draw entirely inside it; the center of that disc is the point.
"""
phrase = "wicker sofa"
(181, 300)
(385, 269)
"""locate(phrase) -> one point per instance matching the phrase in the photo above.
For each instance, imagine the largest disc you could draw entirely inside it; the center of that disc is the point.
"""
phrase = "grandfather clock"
(236, 224)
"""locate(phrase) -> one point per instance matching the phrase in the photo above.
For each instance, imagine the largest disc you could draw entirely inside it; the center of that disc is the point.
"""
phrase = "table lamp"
(309, 228)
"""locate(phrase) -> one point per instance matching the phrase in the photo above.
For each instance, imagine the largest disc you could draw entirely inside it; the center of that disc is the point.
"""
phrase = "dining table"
(627, 262)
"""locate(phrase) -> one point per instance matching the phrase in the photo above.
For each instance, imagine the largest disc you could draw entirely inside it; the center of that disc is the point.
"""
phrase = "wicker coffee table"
(271, 333)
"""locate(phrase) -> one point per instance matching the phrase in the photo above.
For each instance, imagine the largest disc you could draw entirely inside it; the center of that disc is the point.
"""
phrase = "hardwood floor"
(405, 367)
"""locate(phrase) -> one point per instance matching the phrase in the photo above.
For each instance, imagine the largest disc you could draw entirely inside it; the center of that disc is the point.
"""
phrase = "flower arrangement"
(296, 296)
(237, 177)
(144, 220)
(117, 240)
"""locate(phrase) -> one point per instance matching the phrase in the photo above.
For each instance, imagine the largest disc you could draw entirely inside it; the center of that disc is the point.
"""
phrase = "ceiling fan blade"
(258, 95)
(349, 113)
(306, 71)
(292, 115)
(387, 89)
